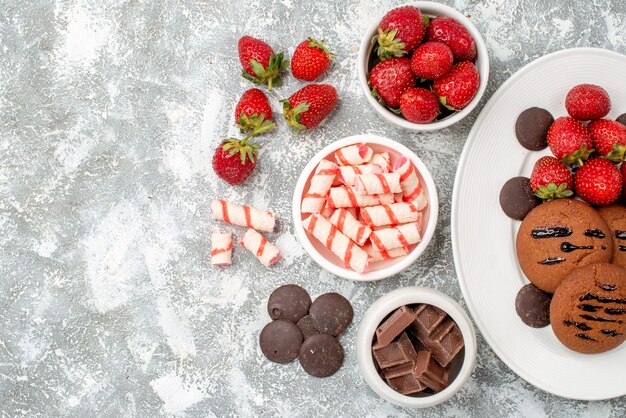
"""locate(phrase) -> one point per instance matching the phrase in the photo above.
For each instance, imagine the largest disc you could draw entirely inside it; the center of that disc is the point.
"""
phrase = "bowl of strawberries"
(423, 66)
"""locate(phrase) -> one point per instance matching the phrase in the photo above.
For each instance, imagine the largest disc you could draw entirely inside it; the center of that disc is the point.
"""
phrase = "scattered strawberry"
(419, 105)
(587, 102)
(432, 60)
(455, 35)
(310, 60)
(307, 107)
(399, 32)
(390, 78)
(609, 138)
(457, 88)
(551, 179)
(260, 64)
(622, 170)
(234, 160)
(598, 182)
(569, 140)
(253, 113)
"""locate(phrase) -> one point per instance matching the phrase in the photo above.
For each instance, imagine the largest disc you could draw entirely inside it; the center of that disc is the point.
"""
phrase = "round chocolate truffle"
(517, 198)
(532, 127)
(331, 313)
(321, 355)
(280, 341)
(306, 326)
(533, 306)
(290, 302)
(622, 119)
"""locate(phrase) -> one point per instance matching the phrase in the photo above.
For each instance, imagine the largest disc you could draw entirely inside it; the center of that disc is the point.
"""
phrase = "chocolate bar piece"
(430, 373)
(399, 320)
(401, 370)
(406, 384)
(443, 340)
(398, 352)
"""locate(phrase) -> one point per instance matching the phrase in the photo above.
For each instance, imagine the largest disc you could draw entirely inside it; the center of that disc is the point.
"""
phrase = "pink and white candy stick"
(347, 197)
(342, 246)
(314, 199)
(265, 251)
(393, 214)
(348, 173)
(380, 183)
(350, 226)
(221, 248)
(327, 211)
(395, 237)
(243, 215)
(411, 187)
(353, 155)
(378, 256)
(383, 160)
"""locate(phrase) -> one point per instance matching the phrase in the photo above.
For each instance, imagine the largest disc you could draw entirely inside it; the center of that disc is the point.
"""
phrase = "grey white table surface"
(109, 114)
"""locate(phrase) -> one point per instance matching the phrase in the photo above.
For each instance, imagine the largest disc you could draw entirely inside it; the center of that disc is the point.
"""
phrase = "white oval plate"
(483, 237)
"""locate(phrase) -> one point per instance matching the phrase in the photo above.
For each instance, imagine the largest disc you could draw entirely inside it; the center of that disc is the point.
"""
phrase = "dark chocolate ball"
(321, 355)
(280, 341)
(517, 198)
(531, 128)
(331, 313)
(290, 302)
(533, 306)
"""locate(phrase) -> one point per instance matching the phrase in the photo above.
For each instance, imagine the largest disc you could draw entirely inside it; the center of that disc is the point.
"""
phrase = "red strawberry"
(260, 64)
(419, 105)
(622, 170)
(234, 160)
(457, 88)
(253, 113)
(400, 31)
(609, 138)
(307, 107)
(310, 60)
(569, 140)
(390, 78)
(432, 60)
(455, 35)
(551, 179)
(598, 182)
(587, 102)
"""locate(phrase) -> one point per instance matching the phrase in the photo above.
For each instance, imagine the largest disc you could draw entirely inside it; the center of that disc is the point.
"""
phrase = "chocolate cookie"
(331, 313)
(588, 310)
(290, 302)
(533, 306)
(615, 217)
(558, 236)
(517, 198)
(622, 119)
(531, 128)
(280, 341)
(321, 355)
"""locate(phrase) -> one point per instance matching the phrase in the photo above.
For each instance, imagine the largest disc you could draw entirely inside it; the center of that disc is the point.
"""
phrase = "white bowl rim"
(482, 65)
(385, 305)
(402, 264)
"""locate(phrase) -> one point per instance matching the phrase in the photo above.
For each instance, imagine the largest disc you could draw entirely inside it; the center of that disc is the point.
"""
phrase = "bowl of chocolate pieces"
(416, 347)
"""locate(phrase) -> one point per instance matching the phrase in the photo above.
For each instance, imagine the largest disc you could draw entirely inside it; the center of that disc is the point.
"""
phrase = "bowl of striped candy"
(365, 207)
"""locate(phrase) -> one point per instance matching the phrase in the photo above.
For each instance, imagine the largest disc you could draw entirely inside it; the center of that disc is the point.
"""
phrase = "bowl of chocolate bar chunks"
(416, 347)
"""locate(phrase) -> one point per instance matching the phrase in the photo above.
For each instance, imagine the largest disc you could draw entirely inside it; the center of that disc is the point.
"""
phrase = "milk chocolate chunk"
(428, 371)
(533, 306)
(280, 341)
(531, 128)
(331, 313)
(517, 198)
(321, 355)
(289, 302)
(396, 353)
(622, 119)
(406, 384)
(306, 326)
(440, 336)
(393, 326)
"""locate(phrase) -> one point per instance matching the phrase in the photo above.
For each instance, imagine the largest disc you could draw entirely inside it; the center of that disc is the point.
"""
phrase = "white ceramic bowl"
(380, 269)
(461, 367)
(482, 64)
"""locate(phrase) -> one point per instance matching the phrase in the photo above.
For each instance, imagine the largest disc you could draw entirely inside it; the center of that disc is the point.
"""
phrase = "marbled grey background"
(109, 114)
